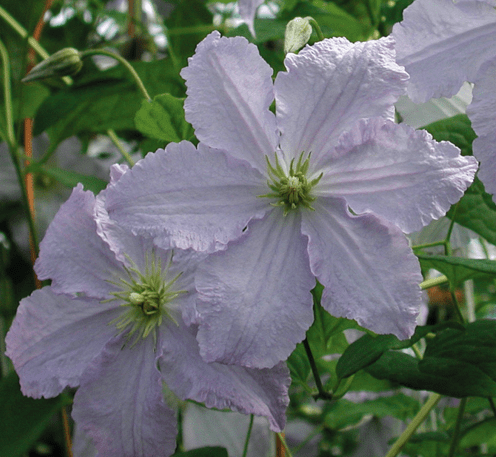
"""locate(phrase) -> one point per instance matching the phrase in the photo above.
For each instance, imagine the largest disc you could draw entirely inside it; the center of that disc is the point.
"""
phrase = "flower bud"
(66, 62)
(298, 32)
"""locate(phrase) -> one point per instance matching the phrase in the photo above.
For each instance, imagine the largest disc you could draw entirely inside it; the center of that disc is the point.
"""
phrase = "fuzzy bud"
(298, 32)
(66, 62)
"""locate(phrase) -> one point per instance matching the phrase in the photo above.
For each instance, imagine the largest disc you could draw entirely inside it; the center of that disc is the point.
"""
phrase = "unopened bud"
(66, 62)
(298, 32)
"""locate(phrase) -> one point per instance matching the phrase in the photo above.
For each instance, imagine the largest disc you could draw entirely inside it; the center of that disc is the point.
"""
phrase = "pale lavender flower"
(442, 44)
(116, 322)
(272, 193)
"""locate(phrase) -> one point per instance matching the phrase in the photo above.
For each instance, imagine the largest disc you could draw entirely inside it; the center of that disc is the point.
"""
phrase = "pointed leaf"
(459, 269)
(23, 419)
(163, 119)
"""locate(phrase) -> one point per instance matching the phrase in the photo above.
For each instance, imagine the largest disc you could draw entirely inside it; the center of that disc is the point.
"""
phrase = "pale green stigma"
(293, 189)
(147, 298)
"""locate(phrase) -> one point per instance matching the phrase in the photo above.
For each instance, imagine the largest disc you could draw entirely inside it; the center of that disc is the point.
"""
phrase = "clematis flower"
(442, 44)
(116, 322)
(272, 194)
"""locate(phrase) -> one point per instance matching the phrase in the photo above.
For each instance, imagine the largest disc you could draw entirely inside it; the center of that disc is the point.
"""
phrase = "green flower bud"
(66, 62)
(298, 32)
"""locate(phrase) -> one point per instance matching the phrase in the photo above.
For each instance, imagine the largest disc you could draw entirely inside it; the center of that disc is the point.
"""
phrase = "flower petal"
(482, 112)
(189, 198)
(331, 85)
(229, 95)
(247, 390)
(442, 44)
(396, 172)
(369, 272)
(54, 337)
(72, 254)
(254, 298)
(120, 405)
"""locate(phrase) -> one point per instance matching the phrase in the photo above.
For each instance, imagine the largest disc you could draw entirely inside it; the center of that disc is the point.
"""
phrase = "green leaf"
(457, 363)
(368, 349)
(476, 211)
(325, 336)
(163, 119)
(69, 178)
(428, 444)
(204, 452)
(346, 413)
(299, 366)
(459, 269)
(457, 129)
(483, 432)
(188, 24)
(23, 419)
(108, 100)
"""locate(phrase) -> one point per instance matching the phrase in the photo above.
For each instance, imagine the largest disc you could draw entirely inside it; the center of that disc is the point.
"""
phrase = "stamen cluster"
(293, 188)
(147, 297)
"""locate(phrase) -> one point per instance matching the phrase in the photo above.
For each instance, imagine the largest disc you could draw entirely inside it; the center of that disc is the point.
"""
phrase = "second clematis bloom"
(322, 189)
(442, 44)
(117, 323)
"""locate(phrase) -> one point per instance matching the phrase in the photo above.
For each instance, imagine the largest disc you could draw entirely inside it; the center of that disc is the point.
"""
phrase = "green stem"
(456, 304)
(23, 33)
(4, 55)
(428, 283)
(316, 27)
(248, 434)
(12, 143)
(119, 146)
(414, 424)
(32, 42)
(283, 441)
(456, 432)
(429, 245)
(322, 393)
(103, 52)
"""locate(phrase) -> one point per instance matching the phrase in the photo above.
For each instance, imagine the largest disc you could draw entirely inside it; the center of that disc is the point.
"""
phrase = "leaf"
(456, 129)
(325, 336)
(457, 363)
(299, 366)
(459, 269)
(476, 211)
(204, 452)
(23, 419)
(107, 100)
(366, 350)
(346, 413)
(483, 432)
(163, 119)
(69, 178)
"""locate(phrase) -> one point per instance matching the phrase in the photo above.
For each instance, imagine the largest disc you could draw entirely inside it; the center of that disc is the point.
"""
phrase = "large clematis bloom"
(272, 194)
(116, 322)
(442, 44)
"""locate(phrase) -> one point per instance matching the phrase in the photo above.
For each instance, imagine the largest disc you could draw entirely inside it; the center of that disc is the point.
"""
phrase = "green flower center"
(147, 298)
(291, 189)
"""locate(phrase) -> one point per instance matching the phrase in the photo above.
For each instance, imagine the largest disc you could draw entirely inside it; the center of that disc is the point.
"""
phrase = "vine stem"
(316, 27)
(414, 424)
(322, 393)
(282, 448)
(120, 59)
(458, 424)
(248, 434)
